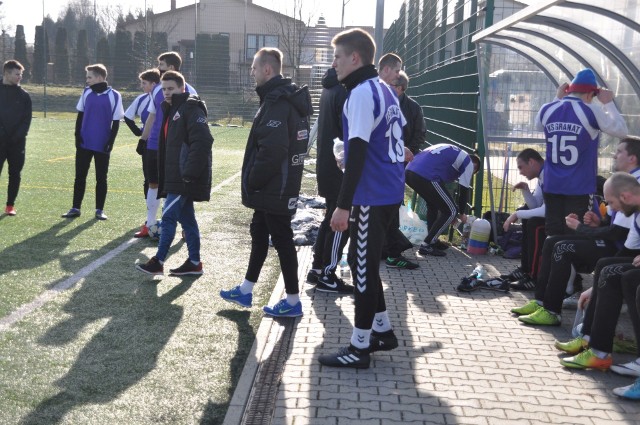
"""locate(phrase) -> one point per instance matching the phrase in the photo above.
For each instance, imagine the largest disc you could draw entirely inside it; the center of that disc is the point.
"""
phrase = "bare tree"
(292, 26)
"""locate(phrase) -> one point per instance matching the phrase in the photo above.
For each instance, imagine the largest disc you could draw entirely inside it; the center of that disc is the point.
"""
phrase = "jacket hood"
(279, 87)
(330, 78)
(190, 99)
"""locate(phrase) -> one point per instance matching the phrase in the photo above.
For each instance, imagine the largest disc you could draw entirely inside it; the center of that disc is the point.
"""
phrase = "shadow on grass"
(214, 413)
(125, 350)
(42, 248)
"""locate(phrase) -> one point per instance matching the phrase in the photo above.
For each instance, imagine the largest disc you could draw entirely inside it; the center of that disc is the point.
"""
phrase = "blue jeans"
(178, 208)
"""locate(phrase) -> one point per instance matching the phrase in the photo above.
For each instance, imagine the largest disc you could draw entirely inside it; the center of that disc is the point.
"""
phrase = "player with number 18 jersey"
(372, 105)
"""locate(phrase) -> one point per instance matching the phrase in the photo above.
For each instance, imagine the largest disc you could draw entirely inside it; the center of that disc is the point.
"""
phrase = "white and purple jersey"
(443, 163)
(372, 113)
(99, 111)
(139, 108)
(572, 131)
(155, 108)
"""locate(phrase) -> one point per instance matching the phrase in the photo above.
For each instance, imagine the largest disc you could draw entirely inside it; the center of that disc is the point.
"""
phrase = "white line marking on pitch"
(7, 321)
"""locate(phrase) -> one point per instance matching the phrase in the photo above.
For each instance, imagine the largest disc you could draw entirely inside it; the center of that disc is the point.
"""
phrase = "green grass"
(120, 347)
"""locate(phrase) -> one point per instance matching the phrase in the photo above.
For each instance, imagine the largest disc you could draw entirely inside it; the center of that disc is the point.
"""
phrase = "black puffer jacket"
(274, 157)
(184, 155)
(332, 100)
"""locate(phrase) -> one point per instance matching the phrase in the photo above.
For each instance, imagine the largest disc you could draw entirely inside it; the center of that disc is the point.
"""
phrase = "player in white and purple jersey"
(428, 174)
(99, 113)
(149, 79)
(169, 61)
(371, 192)
(572, 126)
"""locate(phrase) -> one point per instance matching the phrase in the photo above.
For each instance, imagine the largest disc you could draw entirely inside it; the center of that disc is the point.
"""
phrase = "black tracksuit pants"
(559, 253)
(631, 293)
(602, 313)
(368, 226)
(83, 162)
(533, 237)
(441, 209)
(13, 152)
(278, 226)
(329, 245)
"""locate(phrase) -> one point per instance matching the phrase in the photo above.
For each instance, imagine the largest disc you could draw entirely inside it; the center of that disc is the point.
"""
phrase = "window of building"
(256, 42)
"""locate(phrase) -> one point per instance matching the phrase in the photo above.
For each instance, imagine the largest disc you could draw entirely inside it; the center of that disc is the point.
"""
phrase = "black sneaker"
(347, 357)
(313, 276)
(495, 284)
(187, 268)
(332, 283)
(469, 284)
(401, 263)
(525, 284)
(429, 249)
(441, 245)
(382, 341)
(152, 266)
(72, 213)
(517, 274)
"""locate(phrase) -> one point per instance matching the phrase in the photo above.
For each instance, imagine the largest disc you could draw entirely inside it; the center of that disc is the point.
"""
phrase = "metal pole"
(195, 43)
(379, 29)
(44, 60)
(146, 37)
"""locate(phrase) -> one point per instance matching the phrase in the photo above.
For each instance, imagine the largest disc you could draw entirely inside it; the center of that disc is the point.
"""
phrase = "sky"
(357, 12)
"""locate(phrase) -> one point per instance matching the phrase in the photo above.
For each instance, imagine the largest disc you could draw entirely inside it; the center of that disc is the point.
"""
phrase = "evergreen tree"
(102, 52)
(41, 55)
(20, 53)
(81, 58)
(159, 44)
(61, 60)
(141, 50)
(204, 61)
(124, 71)
(222, 61)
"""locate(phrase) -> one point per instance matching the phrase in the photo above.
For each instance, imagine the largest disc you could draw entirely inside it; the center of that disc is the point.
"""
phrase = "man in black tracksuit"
(15, 120)
(184, 171)
(329, 244)
(271, 176)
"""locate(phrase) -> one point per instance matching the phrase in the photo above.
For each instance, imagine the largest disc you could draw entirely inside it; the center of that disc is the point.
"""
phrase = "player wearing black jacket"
(271, 176)
(15, 120)
(329, 244)
(184, 165)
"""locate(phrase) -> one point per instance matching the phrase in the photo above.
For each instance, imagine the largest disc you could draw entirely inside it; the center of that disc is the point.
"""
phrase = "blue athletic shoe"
(632, 392)
(283, 309)
(235, 296)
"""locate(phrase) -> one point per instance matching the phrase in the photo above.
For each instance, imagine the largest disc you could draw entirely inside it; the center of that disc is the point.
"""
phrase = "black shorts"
(150, 168)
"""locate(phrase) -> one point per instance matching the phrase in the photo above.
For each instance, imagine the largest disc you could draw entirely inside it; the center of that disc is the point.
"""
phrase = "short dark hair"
(528, 154)
(98, 69)
(151, 75)
(389, 59)
(173, 76)
(171, 59)
(476, 161)
(402, 80)
(272, 56)
(632, 146)
(359, 41)
(12, 64)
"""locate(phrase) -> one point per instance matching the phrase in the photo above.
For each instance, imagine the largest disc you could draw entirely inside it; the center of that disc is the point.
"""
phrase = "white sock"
(572, 278)
(152, 206)
(586, 338)
(195, 263)
(381, 322)
(540, 303)
(246, 287)
(599, 354)
(360, 338)
(637, 360)
(293, 299)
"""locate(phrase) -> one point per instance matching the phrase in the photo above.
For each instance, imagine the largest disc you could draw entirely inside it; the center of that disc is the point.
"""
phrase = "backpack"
(511, 242)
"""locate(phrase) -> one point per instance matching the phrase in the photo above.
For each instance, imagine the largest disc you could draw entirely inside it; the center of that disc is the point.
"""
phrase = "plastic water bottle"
(344, 265)
(479, 272)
